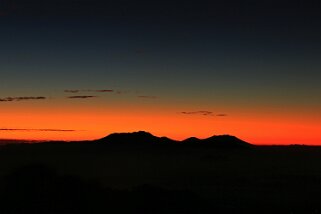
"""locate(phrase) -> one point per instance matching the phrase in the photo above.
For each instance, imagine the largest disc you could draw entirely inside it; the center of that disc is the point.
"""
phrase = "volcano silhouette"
(142, 138)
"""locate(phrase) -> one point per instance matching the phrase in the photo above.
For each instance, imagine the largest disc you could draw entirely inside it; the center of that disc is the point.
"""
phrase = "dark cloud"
(71, 91)
(41, 130)
(102, 91)
(81, 97)
(89, 90)
(147, 97)
(205, 113)
(10, 99)
(221, 115)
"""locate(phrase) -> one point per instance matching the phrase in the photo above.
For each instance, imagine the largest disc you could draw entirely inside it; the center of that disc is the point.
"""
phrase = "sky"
(82, 69)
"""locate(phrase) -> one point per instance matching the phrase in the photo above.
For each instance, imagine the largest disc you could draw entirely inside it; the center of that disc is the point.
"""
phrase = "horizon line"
(83, 140)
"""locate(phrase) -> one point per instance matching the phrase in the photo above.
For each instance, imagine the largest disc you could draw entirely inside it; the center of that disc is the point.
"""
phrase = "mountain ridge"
(145, 138)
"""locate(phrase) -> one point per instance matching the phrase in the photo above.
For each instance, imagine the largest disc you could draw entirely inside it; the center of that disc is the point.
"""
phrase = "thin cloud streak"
(205, 113)
(102, 91)
(221, 115)
(11, 99)
(71, 91)
(41, 130)
(89, 90)
(81, 97)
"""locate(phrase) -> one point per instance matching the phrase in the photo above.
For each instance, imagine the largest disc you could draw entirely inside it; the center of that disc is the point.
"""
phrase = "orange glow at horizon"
(95, 124)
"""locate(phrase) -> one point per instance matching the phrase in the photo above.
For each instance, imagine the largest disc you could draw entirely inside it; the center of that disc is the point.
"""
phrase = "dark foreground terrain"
(163, 177)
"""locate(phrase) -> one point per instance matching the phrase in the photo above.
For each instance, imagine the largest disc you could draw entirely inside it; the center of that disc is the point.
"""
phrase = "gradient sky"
(82, 69)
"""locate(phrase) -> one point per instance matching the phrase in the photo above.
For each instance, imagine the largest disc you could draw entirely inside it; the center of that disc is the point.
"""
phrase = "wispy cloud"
(81, 97)
(71, 91)
(11, 99)
(221, 115)
(205, 113)
(40, 130)
(102, 90)
(89, 90)
(147, 97)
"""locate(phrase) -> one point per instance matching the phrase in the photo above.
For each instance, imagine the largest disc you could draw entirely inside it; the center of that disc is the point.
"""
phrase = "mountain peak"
(191, 140)
(129, 134)
(225, 141)
(130, 138)
(143, 138)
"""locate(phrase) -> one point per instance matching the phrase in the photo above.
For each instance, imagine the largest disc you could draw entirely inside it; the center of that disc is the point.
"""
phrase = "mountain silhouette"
(191, 141)
(225, 141)
(217, 141)
(142, 138)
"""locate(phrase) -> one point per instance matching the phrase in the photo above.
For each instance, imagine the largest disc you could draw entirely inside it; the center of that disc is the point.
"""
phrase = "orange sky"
(94, 122)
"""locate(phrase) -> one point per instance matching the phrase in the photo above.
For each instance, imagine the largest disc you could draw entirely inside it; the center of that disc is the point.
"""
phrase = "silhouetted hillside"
(145, 139)
(191, 141)
(225, 141)
(136, 139)
(142, 138)
(217, 141)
